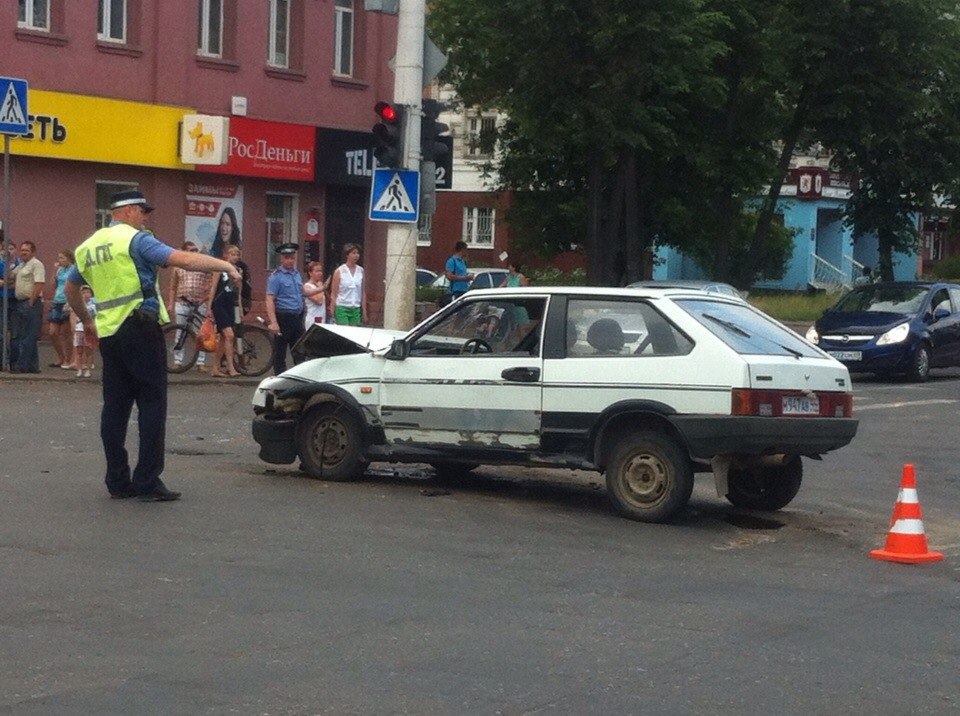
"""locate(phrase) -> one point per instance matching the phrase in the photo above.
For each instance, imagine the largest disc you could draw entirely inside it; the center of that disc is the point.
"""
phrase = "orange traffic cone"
(906, 541)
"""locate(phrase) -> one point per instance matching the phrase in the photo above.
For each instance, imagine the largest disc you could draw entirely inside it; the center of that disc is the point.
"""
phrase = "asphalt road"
(520, 592)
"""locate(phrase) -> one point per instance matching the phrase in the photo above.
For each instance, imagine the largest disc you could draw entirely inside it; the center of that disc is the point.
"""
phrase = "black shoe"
(161, 494)
(123, 493)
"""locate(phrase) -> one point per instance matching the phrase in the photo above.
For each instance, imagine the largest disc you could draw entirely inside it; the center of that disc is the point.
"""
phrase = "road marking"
(880, 406)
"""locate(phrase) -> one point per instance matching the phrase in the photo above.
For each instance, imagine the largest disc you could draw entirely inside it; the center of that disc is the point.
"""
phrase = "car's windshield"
(880, 298)
(746, 330)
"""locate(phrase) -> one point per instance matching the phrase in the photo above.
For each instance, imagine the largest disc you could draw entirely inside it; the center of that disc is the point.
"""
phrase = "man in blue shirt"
(285, 306)
(11, 297)
(456, 271)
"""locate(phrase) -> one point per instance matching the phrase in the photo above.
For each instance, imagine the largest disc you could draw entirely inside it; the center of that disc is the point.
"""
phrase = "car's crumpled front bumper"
(276, 438)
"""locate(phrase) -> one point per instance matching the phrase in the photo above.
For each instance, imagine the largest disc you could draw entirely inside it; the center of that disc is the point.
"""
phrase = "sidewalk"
(47, 373)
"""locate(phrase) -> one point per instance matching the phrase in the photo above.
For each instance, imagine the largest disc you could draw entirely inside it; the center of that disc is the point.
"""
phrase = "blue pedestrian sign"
(395, 195)
(13, 106)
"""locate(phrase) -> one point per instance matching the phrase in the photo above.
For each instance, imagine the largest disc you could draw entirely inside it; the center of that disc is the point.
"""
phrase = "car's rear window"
(746, 330)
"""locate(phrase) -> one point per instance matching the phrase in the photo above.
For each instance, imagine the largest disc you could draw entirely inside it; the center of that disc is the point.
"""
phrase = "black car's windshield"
(878, 298)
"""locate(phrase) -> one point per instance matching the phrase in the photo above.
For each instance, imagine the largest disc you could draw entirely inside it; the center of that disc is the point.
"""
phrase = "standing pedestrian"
(8, 261)
(347, 290)
(189, 291)
(224, 306)
(456, 272)
(514, 276)
(120, 264)
(28, 279)
(315, 293)
(58, 322)
(285, 306)
(85, 340)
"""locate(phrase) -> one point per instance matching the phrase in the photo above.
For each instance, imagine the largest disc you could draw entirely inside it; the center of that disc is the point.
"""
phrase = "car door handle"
(521, 375)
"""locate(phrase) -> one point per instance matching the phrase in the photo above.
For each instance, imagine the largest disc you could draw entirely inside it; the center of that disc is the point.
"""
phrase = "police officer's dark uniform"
(120, 262)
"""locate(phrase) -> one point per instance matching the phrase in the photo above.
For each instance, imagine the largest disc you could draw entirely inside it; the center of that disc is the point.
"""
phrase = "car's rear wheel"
(649, 476)
(767, 488)
(329, 443)
(919, 369)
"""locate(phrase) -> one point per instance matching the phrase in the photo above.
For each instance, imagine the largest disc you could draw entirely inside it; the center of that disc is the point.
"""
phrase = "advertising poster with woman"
(213, 216)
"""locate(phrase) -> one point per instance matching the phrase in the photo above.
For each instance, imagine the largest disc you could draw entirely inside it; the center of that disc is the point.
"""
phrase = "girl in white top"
(347, 291)
(315, 293)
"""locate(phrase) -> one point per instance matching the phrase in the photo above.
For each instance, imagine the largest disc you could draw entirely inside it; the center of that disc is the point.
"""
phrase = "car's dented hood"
(323, 340)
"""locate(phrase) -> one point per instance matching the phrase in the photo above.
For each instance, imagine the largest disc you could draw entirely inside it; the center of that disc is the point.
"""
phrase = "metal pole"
(6, 257)
(401, 259)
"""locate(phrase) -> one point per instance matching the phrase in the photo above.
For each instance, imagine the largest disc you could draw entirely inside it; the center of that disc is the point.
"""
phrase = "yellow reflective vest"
(106, 265)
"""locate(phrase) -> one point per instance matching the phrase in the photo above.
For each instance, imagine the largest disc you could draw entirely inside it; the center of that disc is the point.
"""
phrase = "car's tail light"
(791, 403)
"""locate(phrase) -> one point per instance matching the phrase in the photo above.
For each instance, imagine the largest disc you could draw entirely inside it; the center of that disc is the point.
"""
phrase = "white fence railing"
(829, 277)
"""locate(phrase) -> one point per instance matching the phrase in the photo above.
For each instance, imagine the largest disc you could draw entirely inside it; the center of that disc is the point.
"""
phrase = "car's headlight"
(896, 334)
(812, 335)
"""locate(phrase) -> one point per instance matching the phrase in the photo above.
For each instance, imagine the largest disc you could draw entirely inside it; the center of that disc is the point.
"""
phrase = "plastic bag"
(208, 338)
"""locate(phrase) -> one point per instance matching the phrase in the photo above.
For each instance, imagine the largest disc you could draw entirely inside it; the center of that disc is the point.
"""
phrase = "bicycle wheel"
(254, 354)
(179, 339)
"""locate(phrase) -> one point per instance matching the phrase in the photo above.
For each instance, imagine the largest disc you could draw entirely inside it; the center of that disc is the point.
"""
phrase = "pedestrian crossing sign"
(13, 106)
(395, 195)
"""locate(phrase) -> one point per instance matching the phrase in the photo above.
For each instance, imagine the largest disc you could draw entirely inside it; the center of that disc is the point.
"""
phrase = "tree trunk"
(631, 218)
(595, 250)
(614, 253)
(885, 242)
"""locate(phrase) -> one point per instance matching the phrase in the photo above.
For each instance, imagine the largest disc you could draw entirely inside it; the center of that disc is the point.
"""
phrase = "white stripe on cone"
(907, 527)
(908, 496)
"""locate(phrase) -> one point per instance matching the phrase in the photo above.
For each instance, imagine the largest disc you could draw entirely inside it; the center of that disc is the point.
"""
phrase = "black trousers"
(134, 371)
(291, 328)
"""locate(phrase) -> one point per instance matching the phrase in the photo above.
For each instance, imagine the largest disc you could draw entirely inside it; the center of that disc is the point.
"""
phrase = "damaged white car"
(647, 385)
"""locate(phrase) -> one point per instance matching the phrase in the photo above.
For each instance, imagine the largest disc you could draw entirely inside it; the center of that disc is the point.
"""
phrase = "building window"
(478, 227)
(210, 28)
(34, 14)
(343, 43)
(112, 20)
(281, 224)
(278, 53)
(482, 136)
(425, 229)
(104, 190)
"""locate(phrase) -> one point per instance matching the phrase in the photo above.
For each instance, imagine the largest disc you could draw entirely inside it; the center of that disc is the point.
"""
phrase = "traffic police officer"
(285, 306)
(120, 263)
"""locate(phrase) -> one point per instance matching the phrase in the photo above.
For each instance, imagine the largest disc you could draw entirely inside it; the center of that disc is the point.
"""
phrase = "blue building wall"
(819, 229)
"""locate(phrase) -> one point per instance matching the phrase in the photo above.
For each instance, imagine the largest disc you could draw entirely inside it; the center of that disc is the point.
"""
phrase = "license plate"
(847, 355)
(801, 405)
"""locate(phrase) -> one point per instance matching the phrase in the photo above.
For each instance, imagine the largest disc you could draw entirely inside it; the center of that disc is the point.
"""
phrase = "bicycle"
(253, 345)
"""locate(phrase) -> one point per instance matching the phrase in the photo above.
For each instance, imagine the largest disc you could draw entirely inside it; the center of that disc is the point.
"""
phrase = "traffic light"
(388, 134)
(431, 147)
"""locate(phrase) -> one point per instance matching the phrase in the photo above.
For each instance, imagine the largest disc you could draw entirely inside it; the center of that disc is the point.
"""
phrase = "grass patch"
(793, 306)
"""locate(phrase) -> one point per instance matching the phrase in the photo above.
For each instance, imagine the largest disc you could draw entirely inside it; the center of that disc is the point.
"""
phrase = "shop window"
(104, 191)
(424, 229)
(34, 15)
(343, 42)
(478, 227)
(112, 20)
(281, 224)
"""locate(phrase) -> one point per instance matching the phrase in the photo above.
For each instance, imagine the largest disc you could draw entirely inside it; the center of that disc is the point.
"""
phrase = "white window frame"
(105, 31)
(425, 230)
(102, 217)
(473, 219)
(279, 56)
(475, 131)
(343, 17)
(26, 14)
(204, 32)
(288, 221)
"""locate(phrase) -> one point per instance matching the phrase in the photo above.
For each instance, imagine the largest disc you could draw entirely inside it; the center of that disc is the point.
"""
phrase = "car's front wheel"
(767, 488)
(919, 369)
(649, 476)
(329, 443)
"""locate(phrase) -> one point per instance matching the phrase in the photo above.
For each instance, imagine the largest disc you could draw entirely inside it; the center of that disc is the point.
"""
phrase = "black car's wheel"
(329, 443)
(768, 488)
(649, 476)
(453, 471)
(919, 369)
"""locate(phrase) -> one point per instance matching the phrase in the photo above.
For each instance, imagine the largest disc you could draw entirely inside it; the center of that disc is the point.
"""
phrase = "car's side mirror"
(940, 313)
(399, 349)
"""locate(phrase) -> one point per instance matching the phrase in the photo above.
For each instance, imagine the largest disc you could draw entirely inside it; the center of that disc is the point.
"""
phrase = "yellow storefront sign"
(96, 129)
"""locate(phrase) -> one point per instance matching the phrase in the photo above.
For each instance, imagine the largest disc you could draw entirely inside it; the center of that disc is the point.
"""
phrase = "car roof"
(606, 291)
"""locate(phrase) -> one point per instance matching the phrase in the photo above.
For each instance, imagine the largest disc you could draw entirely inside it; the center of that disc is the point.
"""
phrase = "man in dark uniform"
(285, 306)
(120, 263)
